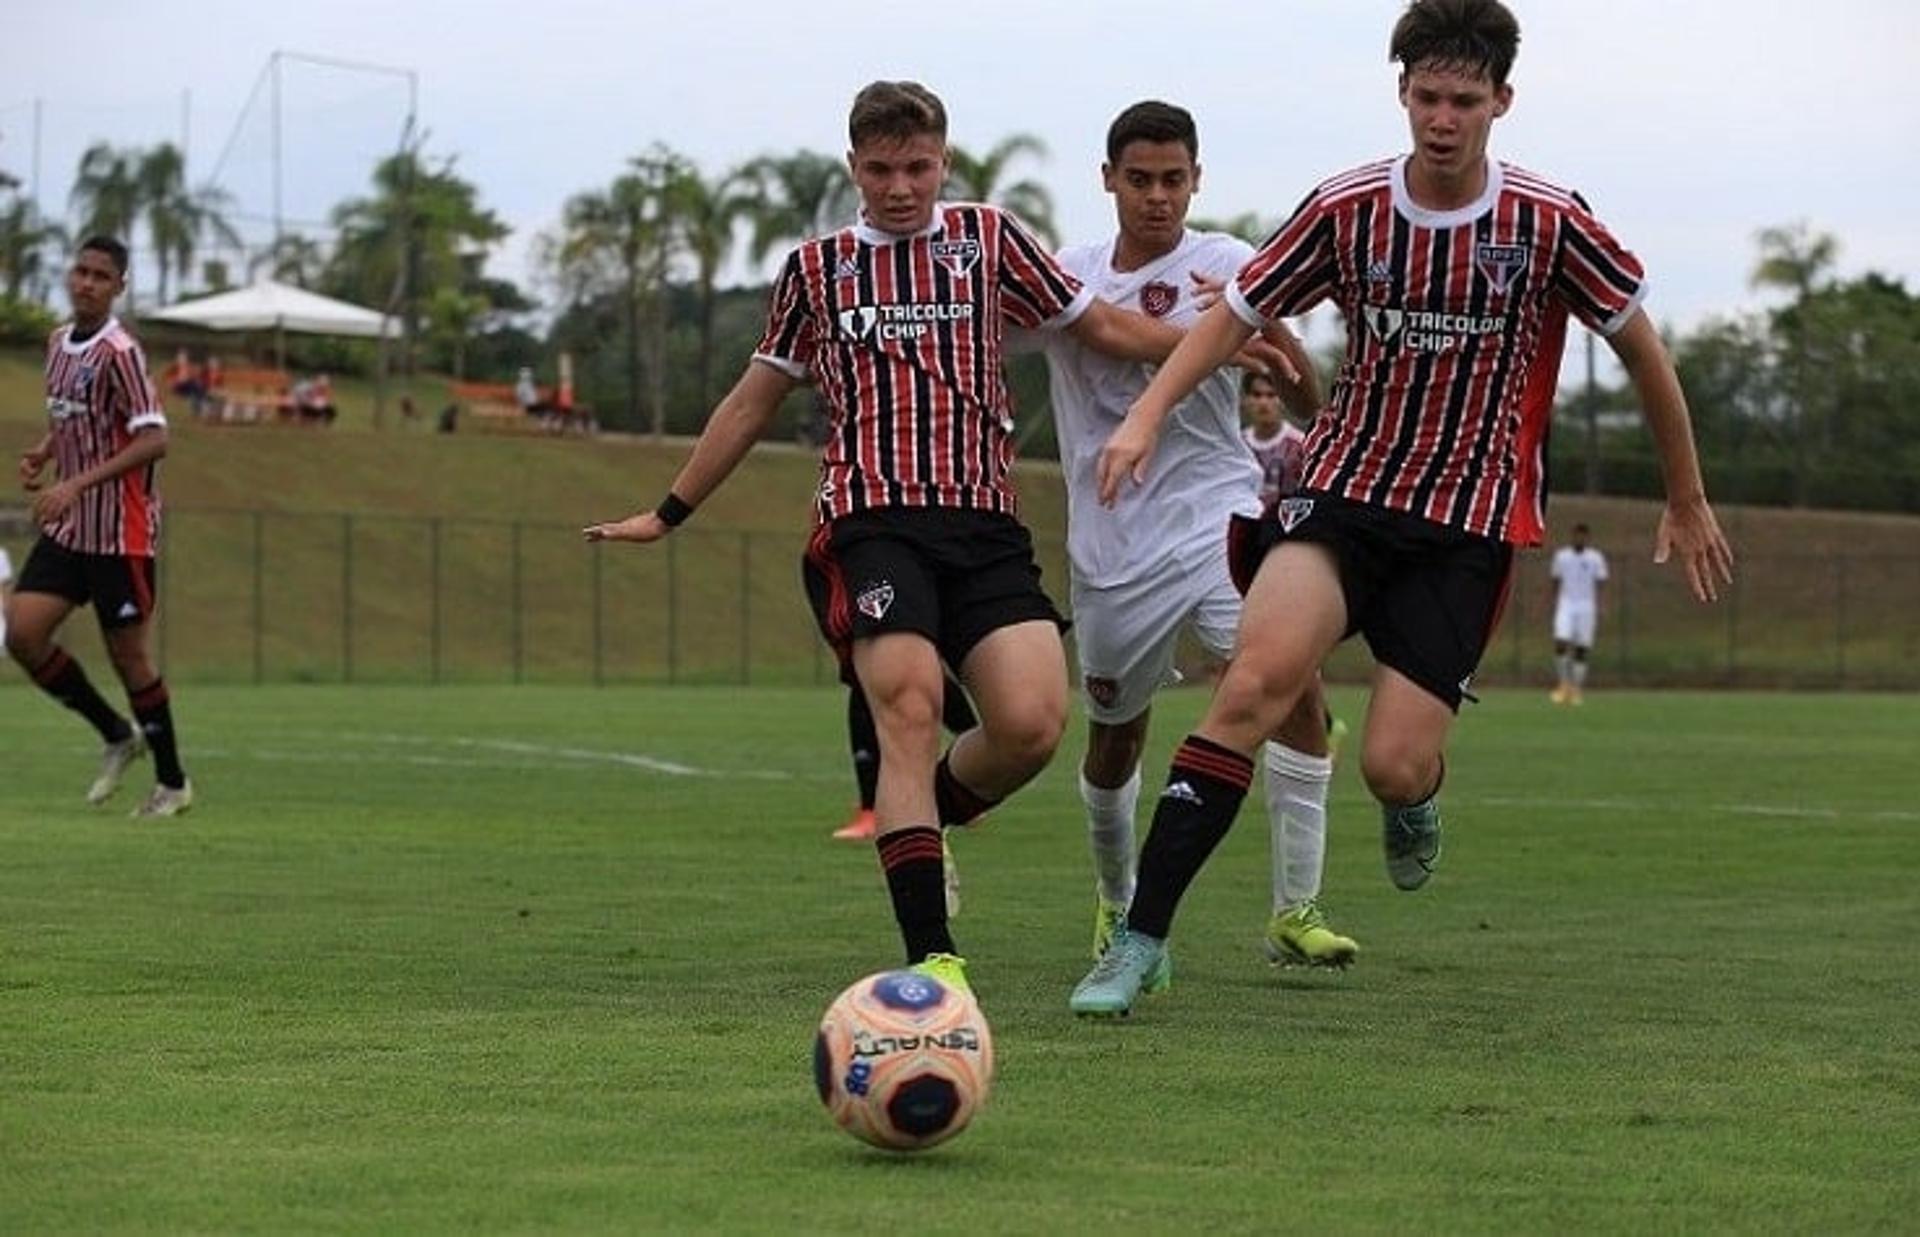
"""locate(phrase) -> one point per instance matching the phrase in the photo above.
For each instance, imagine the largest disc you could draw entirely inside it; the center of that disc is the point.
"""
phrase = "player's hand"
(1125, 456)
(1207, 290)
(1689, 529)
(52, 503)
(1264, 357)
(31, 464)
(646, 526)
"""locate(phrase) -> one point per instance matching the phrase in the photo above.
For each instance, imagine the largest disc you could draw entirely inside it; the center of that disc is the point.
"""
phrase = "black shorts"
(120, 586)
(1425, 596)
(952, 576)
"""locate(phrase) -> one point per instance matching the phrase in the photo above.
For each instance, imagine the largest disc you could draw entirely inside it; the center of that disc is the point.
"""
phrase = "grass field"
(549, 959)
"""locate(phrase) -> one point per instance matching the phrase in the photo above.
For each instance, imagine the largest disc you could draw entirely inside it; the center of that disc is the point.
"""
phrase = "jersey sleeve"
(792, 336)
(1291, 273)
(139, 403)
(1599, 567)
(1600, 280)
(1035, 290)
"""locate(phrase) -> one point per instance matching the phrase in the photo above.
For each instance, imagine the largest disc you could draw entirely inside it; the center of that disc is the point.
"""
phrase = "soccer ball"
(902, 1060)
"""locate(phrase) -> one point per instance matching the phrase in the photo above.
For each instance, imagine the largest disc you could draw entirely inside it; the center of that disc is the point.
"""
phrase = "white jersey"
(1580, 574)
(1200, 473)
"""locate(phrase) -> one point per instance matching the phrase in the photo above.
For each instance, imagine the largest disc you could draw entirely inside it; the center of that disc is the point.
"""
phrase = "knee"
(1398, 772)
(906, 709)
(29, 648)
(1027, 736)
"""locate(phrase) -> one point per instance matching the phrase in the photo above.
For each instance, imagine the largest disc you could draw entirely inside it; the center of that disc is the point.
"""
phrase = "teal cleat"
(1410, 837)
(1133, 964)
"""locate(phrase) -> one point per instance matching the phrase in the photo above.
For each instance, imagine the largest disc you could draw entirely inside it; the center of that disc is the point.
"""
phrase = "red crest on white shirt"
(1157, 299)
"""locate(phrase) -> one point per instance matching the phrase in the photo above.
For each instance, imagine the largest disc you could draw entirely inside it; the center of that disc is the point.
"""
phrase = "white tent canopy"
(270, 306)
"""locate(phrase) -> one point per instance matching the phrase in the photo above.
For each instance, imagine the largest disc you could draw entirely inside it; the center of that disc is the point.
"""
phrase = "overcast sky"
(1689, 124)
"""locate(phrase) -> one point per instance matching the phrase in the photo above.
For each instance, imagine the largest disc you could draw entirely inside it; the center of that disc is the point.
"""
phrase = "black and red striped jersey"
(98, 395)
(1456, 321)
(903, 334)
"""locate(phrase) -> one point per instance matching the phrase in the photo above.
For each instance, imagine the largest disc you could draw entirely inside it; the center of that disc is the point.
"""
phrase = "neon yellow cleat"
(949, 969)
(1108, 918)
(1301, 937)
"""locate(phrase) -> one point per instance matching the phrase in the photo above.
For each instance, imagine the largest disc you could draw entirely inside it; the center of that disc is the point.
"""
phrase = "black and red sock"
(1205, 788)
(916, 879)
(153, 709)
(956, 804)
(61, 677)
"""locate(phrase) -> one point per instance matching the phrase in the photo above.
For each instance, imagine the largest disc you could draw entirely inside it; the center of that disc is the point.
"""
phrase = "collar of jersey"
(870, 235)
(1421, 217)
(72, 349)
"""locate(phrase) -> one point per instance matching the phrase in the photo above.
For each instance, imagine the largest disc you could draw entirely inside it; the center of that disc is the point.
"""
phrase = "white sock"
(1563, 666)
(1296, 786)
(1580, 673)
(1110, 832)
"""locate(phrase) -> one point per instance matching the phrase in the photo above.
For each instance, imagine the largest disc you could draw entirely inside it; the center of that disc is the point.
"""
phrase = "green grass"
(464, 959)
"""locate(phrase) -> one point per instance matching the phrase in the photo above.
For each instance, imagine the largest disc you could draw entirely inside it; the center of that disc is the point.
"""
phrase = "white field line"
(1786, 811)
(382, 748)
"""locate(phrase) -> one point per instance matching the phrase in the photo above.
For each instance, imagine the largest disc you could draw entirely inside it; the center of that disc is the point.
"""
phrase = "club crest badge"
(875, 601)
(1500, 263)
(1384, 321)
(959, 257)
(1293, 512)
(83, 377)
(1102, 692)
(1157, 299)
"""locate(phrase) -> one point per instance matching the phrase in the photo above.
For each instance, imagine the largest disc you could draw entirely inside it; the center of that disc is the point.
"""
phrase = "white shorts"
(1126, 635)
(1574, 623)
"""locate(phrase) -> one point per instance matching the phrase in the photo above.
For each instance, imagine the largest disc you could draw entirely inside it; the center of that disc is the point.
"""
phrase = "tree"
(177, 218)
(978, 179)
(291, 258)
(707, 214)
(797, 196)
(26, 240)
(1799, 261)
(106, 194)
(422, 230)
(1248, 226)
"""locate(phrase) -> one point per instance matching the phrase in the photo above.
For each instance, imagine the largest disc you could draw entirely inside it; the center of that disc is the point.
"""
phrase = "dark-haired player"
(100, 529)
(1456, 275)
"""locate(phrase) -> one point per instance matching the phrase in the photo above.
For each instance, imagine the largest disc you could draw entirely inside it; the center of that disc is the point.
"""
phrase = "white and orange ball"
(902, 1060)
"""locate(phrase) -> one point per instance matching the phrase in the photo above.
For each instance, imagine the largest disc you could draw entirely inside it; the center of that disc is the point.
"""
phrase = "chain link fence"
(252, 596)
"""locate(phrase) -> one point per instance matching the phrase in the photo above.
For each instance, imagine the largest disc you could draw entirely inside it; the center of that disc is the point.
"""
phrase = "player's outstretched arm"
(1214, 340)
(1687, 526)
(738, 421)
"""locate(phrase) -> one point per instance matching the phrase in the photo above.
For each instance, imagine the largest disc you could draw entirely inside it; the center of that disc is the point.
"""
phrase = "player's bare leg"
(1401, 760)
(32, 619)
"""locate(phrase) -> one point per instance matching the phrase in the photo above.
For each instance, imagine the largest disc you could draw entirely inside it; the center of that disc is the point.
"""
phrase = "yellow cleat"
(949, 969)
(1301, 937)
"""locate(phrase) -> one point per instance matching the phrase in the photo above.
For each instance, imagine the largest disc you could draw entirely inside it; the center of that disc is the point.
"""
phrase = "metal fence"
(250, 596)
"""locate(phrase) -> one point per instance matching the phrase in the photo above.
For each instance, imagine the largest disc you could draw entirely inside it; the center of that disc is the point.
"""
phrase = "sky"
(1688, 124)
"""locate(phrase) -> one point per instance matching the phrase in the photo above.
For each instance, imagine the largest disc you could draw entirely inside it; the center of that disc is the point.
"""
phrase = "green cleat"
(1410, 836)
(1134, 963)
(1108, 918)
(949, 969)
(1301, 937)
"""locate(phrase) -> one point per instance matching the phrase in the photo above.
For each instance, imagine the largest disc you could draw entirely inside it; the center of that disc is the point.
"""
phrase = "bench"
(250, 397)
(495, 407)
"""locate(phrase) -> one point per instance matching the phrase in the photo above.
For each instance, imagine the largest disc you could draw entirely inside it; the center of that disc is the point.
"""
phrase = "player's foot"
(949, 969)
(1133, 964)
(1574, 697)
(859, 829)
(1336, 735)
(1108, 918)
(950, 876)
(165, 801)
(1410, 837)
(115, 758)
(1301, 937)
(1559, 695)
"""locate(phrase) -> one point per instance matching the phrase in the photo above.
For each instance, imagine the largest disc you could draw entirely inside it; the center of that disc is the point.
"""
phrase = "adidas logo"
(129, 610)
(1182, 791)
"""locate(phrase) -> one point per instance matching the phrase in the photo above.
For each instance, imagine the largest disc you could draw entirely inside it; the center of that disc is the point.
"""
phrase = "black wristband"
(673, 510)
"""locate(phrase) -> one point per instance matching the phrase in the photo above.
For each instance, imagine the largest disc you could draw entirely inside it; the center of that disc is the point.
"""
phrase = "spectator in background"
(449, 418)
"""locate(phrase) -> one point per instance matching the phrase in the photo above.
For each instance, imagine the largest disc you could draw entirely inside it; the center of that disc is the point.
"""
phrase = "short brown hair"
(1480, 36)
(896, 110)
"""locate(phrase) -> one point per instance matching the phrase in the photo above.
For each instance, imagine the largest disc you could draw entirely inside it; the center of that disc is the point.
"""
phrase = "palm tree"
(106, 193)
(1800, 261)
(292, 258)
(978, 179)
(176, 217)
(797, 196)
(25, 241)
(707, 214)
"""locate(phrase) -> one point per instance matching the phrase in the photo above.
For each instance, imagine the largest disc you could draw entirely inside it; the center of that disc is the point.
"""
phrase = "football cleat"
(165, 801)
(1410, 839)
(1301, 937)
(949, 969)
(115, 758)
(1108, 918)
(1133, 964)
(859, 829)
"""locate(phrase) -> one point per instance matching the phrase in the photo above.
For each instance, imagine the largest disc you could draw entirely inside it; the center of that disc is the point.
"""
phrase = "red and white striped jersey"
(1282, 459)
(98, 395)
(1456, 321)
(903, 334)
